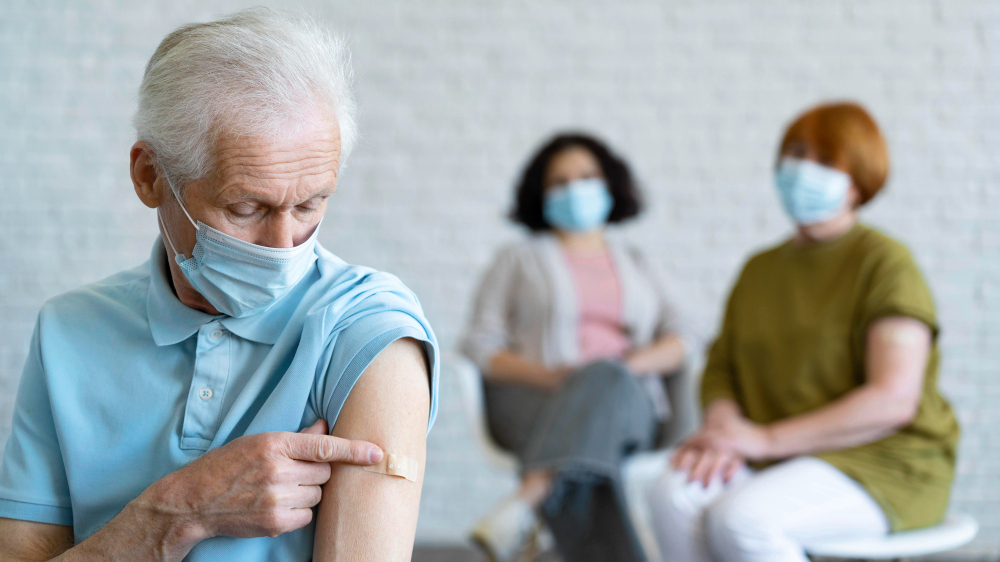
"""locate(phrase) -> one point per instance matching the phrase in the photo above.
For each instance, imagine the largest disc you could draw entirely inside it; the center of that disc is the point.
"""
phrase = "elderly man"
(180, 409)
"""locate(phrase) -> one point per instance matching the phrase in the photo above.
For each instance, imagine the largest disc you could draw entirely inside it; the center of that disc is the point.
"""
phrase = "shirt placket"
(208, 386)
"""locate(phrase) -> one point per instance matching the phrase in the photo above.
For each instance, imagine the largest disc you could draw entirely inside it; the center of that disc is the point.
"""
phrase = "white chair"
(957, 529)
(638, 474)
(471, 384)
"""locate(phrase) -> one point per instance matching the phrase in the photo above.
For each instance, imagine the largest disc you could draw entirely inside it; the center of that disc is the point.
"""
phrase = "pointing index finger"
(327, 448)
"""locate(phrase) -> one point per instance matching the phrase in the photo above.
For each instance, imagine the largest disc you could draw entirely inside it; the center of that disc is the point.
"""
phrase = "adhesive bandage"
(396, 465)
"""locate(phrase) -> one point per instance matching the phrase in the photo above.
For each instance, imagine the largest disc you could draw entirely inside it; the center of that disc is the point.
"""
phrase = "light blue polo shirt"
(125, 384)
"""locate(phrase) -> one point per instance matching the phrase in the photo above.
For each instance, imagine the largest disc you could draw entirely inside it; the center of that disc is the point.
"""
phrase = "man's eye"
(242, 210)
(311, 206)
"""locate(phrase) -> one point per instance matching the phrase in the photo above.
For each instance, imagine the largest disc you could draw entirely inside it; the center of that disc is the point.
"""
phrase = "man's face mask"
(811, 193)
(239, 278)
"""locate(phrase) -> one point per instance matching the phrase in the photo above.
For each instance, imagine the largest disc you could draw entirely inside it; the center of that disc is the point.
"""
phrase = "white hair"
(253, 73)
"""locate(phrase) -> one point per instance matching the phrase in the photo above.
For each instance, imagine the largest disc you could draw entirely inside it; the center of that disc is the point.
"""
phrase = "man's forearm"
(139, 533)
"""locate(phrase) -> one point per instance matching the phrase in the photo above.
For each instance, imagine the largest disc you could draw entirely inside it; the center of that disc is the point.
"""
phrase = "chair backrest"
(470, 383)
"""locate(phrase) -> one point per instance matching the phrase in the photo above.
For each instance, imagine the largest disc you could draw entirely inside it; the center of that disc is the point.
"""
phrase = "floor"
(463, 553)
(459, 553)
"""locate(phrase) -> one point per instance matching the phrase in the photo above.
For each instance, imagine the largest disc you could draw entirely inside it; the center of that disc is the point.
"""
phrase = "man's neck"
(188, 295)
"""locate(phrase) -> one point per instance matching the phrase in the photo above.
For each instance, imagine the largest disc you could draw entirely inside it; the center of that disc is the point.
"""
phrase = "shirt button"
(216, 334)
(205, 393)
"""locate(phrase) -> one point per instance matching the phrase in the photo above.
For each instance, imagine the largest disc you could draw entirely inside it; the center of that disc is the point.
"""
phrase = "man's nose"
(278, 232)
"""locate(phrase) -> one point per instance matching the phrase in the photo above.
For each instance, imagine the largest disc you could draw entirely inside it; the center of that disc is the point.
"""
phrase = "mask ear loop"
(177, 196)
(166, 234)
(163, 225)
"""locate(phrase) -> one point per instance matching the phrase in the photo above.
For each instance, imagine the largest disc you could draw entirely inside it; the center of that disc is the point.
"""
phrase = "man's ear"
(142, 167)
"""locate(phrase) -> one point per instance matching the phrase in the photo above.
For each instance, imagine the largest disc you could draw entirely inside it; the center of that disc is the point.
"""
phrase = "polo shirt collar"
(171, 321)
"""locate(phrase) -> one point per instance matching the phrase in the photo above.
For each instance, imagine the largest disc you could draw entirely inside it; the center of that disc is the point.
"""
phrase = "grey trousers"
(581, 432)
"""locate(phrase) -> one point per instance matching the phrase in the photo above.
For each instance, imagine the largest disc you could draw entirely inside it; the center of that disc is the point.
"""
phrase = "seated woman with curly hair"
(573, 332)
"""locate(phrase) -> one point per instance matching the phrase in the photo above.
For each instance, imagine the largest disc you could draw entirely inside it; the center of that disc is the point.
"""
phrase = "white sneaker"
(505, 532)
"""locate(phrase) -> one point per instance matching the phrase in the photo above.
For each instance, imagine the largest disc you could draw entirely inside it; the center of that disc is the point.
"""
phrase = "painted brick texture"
(454, 97)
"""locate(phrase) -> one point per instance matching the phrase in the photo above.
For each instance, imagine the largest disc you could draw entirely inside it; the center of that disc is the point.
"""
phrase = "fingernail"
(374, 455)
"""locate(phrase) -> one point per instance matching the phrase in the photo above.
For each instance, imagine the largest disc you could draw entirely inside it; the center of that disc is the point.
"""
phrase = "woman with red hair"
(822, 416)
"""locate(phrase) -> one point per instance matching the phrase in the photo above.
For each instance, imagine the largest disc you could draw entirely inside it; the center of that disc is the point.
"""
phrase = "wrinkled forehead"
(299, 159)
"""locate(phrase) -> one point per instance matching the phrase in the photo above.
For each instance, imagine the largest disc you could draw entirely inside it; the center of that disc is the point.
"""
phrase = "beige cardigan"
(527, 303)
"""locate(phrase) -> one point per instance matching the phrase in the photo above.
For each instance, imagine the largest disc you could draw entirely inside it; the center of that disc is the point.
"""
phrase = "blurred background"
(454, 96)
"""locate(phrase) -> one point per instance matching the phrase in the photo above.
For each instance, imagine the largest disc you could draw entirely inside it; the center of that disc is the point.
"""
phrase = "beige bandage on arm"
(396, 465)
(902, 336)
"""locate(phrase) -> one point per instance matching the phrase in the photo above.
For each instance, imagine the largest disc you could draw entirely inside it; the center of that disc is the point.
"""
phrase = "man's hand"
(257, 485)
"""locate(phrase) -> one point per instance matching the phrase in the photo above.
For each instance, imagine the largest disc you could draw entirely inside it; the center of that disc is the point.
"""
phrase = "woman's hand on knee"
(704, 463)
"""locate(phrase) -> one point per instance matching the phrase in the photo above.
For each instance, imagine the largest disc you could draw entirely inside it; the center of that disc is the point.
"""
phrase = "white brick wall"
(454, 97)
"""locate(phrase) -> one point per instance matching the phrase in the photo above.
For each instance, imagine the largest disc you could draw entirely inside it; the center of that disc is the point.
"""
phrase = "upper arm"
(900, 323)
(23, 541)
(896, 353)
(365, 515)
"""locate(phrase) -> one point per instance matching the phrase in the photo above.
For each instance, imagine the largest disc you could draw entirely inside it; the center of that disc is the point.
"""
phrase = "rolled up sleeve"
(378, 322)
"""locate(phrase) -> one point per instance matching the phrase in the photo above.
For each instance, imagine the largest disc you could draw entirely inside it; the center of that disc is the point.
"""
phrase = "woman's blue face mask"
(578, 206)
(811, 193)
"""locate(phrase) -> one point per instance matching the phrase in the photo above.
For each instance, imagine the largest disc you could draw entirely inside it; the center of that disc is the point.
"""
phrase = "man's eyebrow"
(244, 195)
(324, 193)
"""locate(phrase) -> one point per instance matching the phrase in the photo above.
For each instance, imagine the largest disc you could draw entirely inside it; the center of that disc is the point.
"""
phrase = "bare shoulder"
(392, 392)
(367, 515)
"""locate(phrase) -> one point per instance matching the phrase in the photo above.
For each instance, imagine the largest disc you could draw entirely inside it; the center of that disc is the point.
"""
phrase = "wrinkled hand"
(257, 485)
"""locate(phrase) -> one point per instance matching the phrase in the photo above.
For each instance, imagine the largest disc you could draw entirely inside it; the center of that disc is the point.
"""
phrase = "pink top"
(600, 331)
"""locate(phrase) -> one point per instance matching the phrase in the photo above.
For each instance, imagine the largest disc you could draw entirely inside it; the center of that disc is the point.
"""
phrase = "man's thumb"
(318, 428)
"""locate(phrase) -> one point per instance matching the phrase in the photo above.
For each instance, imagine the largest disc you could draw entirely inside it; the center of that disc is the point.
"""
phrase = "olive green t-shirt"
(793, 340)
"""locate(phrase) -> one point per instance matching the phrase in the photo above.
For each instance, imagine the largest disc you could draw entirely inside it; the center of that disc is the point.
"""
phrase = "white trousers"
(764, 516)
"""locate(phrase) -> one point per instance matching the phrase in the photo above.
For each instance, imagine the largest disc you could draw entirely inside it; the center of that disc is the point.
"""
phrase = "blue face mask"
(811, 193)
(239, 278)
(579, 205)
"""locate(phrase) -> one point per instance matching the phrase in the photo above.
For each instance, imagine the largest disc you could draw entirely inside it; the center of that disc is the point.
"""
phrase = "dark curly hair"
(530, 190)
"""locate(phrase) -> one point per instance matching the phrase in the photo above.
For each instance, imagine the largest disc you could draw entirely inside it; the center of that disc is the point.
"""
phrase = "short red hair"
(843, 135)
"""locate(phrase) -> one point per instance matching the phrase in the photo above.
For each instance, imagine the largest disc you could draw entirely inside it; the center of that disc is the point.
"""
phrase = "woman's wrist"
(665, 355)
(640, 361)
(770, 449)
(721, 411)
